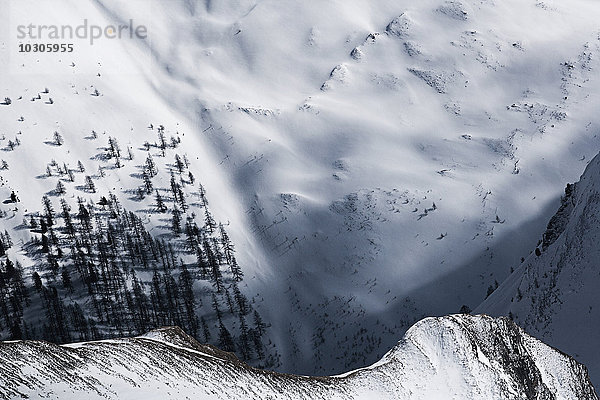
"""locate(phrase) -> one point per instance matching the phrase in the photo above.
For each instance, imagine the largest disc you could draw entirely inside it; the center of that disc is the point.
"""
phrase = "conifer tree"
(186, 284)
(225, 340)
(181, 197)
(236, 271)
(209, 221)
(174, 187)
(66, 215)
(60, 188)
(162, 143)
(160, 204)
(147, 181)
(229, 301)
(58, 139)
(213, 266)
(215, 306)
(113, 148)
(176, 221)
(179, 164)
(90, 184)
(150, 166)
(37, 281)
(244, 344)
(202, 194)
(205, 330)
(241, 300)
(48, 210)
(157, 299)
(259, 326)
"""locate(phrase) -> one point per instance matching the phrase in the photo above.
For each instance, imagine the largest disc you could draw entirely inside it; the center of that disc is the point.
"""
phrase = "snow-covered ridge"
(459, 356)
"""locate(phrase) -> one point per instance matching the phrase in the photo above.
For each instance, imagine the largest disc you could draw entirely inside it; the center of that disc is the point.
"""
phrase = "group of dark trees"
(98, 273)
(14, 297)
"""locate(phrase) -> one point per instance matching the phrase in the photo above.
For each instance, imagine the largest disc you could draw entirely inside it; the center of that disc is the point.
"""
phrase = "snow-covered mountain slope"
(553, 294)
(377, 161)
(466, 357)
(391, 157)
(107, 202)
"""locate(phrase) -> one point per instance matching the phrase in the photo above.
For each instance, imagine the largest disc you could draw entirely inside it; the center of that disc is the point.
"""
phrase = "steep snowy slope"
(377, 161)
(553, 294)
(451, 357)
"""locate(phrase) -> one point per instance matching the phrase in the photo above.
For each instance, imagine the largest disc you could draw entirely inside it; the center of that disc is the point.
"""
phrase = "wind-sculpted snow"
(460, 356)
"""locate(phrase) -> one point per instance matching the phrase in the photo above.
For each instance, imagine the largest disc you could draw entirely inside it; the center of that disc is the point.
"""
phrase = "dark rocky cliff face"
(559, 221)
